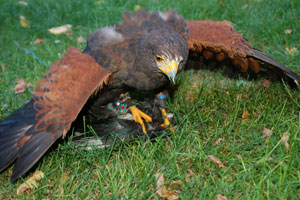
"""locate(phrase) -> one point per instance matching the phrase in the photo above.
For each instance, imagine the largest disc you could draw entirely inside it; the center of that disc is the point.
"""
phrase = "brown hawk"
(144, 52)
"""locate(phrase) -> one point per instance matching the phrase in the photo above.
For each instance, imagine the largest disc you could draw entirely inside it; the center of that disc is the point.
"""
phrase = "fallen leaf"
(162, 190)
(266, 83)
(159, 183)
(30, 183)
(38, 41)
(218, 141)
(291, 51)
(270, 159)
(23, 3)
(176, 182)
(288, 31)
(245, 116)
(245, 96)
(267, 133)
(24, 22)
(216, 160)
(21, 86)
(68, 33)
(245, 6)
(190, 173)
(60, 29)
(80, 40)
(99, 2)
(4, 67)
(221, 197)
(137, 7)
(285, 138)
(222, 3)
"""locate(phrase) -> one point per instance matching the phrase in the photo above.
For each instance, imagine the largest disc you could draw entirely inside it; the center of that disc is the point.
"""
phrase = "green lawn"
(212, 108)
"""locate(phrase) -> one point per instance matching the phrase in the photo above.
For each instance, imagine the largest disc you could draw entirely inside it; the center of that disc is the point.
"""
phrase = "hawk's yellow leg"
(137, 116)
(166, 121)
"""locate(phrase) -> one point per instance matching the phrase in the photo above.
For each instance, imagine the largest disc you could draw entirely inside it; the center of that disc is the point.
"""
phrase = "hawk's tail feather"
(10, 135)
(19, 141)
(30, 153)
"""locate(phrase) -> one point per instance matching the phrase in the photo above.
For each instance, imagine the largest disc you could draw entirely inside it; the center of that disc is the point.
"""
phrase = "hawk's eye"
(158, 58)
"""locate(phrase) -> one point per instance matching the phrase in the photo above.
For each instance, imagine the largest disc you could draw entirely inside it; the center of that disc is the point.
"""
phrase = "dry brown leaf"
(137, 7)
(285, 138)
(99, 2)
(221, 197)
(38, 41)
(4, 67)
(288, 31)
(80, 40)
(60, 29)
(24, 22)
(68, 33)
(30, 183)
(218, 141)
(176, 182)
(23, 3)
(291, 51)
(266, 83)
(267, 133)
(222, 3)
(216, 160)
(21, 86)
(245, 6)
(245, 116)
(162, 190)
(189, 174)
(270, 159)
(159, 183)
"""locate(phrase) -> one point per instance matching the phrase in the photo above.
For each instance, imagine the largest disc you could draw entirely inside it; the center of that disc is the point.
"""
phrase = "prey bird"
(142, 54)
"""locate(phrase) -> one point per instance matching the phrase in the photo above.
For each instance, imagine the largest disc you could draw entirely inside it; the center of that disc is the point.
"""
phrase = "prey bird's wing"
(27, 134)
(218, 40)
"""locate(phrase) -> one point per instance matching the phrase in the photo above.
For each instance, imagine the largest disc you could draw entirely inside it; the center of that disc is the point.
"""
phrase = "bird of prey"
(142, 54)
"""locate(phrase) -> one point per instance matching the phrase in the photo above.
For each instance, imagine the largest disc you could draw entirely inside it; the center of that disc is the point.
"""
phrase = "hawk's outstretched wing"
(27, 134)
(218, 40)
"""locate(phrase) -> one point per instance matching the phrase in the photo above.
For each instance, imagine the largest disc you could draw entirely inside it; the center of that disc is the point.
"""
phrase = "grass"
(212, 108)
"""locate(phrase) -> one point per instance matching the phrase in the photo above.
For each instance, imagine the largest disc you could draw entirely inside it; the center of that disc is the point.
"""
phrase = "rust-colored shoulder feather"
(27, 134)
(66, 88)
(218, 40)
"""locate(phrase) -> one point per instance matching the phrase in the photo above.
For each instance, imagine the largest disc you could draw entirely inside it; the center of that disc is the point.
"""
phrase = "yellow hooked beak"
(169, 69)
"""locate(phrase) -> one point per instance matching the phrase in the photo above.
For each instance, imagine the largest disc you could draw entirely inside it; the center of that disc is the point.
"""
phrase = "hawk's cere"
(144, 52)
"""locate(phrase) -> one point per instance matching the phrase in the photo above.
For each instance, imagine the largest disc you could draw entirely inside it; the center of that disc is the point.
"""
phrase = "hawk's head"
(165, 51)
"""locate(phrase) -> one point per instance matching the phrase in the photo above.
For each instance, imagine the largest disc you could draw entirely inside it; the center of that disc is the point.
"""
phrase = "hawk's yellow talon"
(137, 116)
(166, 120)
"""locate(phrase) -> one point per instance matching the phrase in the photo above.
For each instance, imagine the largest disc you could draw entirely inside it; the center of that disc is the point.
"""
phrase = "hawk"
(141, 54)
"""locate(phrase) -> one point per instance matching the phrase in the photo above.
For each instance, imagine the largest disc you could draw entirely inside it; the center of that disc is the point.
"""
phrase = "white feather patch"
(104, 35)
(164, 15)
(110, 34)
